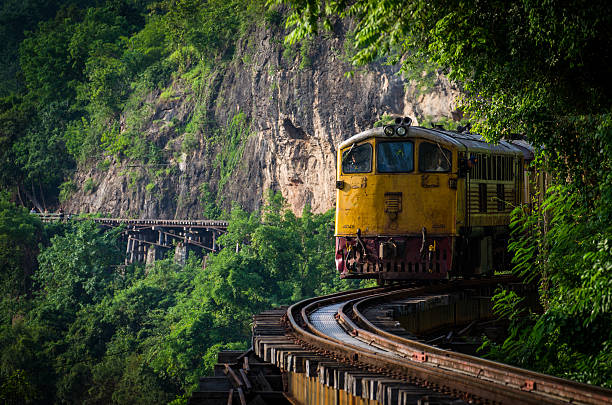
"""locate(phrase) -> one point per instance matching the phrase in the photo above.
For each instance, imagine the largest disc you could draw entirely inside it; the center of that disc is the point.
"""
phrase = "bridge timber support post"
(180, 253)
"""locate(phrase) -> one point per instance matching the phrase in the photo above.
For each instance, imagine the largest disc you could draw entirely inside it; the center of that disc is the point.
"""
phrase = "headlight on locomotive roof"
(401, 131)
(389, 131)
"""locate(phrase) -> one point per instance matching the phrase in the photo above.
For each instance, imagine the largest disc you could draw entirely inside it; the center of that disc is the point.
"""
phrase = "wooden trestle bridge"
(149, 239)
(368, 347)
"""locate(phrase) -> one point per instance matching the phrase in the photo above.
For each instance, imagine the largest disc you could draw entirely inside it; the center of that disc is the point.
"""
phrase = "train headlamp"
(389, 131)
(401, 131)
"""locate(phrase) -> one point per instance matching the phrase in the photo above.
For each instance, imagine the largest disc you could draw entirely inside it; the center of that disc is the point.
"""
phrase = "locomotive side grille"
(493, 167)
(393, 203)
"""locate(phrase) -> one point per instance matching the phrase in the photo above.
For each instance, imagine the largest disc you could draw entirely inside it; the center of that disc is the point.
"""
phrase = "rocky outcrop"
(300, 106)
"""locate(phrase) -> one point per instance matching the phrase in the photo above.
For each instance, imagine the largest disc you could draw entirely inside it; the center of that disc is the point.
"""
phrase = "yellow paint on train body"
(435, 200)
(426, 200)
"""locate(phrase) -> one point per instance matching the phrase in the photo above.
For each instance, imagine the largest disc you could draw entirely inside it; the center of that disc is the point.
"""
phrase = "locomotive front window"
(395, 157)
(434, 158)
(357, 159)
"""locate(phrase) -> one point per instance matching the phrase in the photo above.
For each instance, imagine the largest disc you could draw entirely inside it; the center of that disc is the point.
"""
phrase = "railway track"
(330, 350)
(336, 326)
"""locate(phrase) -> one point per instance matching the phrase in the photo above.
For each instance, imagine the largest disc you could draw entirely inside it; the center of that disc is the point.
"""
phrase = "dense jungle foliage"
(79, 326)
(541, 69)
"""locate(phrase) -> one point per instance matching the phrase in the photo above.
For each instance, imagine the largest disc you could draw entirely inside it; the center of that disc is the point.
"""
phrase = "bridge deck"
(194, 223)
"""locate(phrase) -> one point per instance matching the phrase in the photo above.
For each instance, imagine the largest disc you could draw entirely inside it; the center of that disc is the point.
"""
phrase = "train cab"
(420, 203)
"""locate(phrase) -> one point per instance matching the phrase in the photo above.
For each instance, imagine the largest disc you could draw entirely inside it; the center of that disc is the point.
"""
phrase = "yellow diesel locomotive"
(425, 203)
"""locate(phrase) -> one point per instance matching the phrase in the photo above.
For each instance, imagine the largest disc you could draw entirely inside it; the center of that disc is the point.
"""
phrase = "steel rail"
(510, 376)
(406, 363)
(399, 367)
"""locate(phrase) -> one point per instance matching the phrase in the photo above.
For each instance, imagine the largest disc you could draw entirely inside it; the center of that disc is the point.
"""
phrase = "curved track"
(335, 325)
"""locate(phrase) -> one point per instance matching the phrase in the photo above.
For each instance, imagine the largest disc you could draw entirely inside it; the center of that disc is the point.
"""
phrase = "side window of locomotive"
(357, 159)
(434, 158)
(395, 157)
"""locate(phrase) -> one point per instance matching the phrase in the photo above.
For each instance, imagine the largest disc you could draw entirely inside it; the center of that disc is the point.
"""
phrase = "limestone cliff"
(299, 104)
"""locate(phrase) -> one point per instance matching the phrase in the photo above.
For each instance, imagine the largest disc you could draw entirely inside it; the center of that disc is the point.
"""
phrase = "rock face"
(300, 106)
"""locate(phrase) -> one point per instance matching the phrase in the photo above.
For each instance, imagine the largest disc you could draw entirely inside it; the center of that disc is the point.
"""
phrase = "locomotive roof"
(472, 142)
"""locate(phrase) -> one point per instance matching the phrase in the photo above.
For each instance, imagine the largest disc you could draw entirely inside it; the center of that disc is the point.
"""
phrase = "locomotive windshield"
(434, 158)
(395, 157)
(357, 159)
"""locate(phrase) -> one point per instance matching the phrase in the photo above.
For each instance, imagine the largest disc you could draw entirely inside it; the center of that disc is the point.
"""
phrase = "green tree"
(20, 234)
(26, 372)
(16, 19)
(573, 259)
(45, 60)
(40, 153)
(14, 117)
(79, 268)
(208, 26)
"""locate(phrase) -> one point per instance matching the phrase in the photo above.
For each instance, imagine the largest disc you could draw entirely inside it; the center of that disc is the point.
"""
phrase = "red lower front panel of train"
(394, 258)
